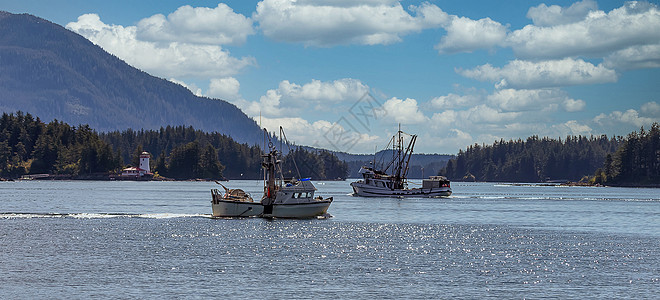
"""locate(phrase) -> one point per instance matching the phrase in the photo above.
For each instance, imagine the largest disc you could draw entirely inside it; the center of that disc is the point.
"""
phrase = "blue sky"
(342, 74)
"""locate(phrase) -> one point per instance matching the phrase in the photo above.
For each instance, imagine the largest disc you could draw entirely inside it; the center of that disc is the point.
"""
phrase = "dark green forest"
(172, 146)
(635, 163)
(532, 160)
(30, 146)
(631, 161)
(27, 145)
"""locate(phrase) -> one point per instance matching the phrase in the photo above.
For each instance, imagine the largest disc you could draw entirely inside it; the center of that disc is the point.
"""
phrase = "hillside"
(54, 73)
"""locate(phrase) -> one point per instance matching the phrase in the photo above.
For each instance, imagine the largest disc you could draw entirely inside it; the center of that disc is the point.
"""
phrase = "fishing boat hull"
(255, 209)
(366, 190)
(299, 210)
(222, 208)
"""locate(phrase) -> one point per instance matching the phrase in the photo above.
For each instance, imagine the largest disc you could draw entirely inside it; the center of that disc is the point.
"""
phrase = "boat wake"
(23, 215)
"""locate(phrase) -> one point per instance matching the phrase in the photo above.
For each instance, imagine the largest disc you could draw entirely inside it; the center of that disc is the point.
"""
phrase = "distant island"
(618, 161)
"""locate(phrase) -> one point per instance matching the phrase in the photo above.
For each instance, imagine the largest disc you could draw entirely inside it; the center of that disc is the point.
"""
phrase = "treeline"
(29, 146)
(532, 160)
(182, 152)
(173, 148)
(636, 162)
(322, 164)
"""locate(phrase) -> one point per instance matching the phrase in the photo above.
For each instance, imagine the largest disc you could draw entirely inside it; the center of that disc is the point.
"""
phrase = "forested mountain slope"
(54, 73)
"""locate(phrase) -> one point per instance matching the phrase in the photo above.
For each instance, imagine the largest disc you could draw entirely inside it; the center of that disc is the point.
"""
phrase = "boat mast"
(408, 153)
(268, 163)
(399, 161)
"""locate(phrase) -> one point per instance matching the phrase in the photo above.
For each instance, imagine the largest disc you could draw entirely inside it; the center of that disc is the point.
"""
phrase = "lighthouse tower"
(144, 161)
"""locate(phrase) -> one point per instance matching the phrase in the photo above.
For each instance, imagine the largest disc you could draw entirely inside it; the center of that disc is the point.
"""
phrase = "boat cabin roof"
(302, 185)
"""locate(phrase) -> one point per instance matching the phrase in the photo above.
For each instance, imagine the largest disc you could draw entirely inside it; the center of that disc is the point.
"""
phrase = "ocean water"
(80, 239)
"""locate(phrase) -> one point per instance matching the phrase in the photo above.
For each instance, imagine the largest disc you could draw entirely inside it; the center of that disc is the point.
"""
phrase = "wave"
(23, 215)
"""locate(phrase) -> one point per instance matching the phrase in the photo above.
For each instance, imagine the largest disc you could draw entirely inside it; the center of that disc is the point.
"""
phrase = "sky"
(345, 74)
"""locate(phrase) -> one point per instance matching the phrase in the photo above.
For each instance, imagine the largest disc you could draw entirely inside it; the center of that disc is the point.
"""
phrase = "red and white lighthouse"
(144, 162)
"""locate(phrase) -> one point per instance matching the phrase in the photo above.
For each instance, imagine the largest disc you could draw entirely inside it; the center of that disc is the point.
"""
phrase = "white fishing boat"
(283, 198)
(380, 183)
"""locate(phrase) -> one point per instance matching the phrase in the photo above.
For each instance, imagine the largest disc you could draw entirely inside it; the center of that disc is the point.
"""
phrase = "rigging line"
(289, 147)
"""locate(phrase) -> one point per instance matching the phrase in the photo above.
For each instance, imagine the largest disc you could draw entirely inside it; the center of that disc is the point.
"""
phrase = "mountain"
(51, 72)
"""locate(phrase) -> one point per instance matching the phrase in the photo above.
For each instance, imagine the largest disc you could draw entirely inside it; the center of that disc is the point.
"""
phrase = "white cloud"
(467, 35)
(444, 120)
(636, 57)
(402, 111)
(533, 100)
(335, 91)
(599, 33)
(197, 25)
(455, 101)
(544, 15)
(624, 122)
(628, 117)
(268, 105)
(321, 133)
(289, 99)
(522, 74)
(571, 105)
(224, 88)
(326, 23)
(484, 114)
(169, 60)
(650, 109)
(572, 127)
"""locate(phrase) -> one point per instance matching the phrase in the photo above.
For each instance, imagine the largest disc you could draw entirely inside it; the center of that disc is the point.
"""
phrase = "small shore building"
(140, 171)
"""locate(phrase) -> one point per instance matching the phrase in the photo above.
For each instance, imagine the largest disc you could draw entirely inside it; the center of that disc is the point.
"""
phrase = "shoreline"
(113, 177)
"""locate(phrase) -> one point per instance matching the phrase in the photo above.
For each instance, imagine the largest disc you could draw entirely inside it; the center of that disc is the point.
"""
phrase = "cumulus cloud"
(650, 109)
(327, 23)
(533, 100)
(571, 127)
(321, 133)
(467, 35)
(289, 99)
(572, 105)
(451, 101)
(197, 25)
(522, 74)
(509, 113)
(224, 88)
(483, 114)
(599, 33)
(636, 57)
(552, 15)
(402, 111)
(169, 60)
(444, 120)
(628, 117)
